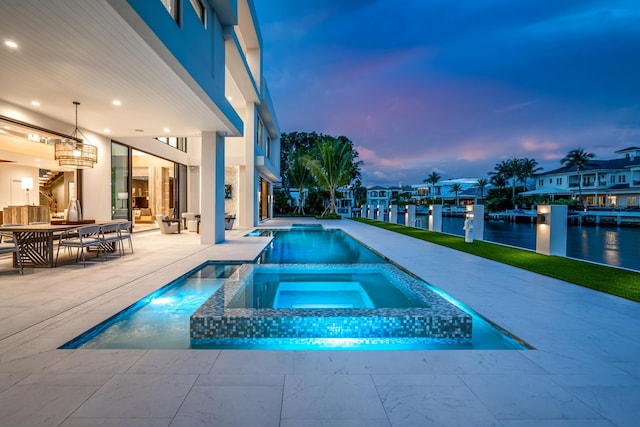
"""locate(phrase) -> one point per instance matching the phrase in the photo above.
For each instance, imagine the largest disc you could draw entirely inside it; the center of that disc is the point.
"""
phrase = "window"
(558, 181)
(198, 6)
(612, 179)
(622, 178)
(176, 142)
(550, 180)
(260, 131)
(540, 182)
(267, 147)
(172, 8)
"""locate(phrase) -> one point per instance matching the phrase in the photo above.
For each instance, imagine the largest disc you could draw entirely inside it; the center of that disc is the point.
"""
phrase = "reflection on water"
(617, 246)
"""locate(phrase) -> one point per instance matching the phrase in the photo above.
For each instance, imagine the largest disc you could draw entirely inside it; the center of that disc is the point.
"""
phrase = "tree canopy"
(331, 162)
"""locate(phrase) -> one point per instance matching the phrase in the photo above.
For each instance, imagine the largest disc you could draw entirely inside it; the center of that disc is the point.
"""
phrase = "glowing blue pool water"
(162, 319)
(304, 246)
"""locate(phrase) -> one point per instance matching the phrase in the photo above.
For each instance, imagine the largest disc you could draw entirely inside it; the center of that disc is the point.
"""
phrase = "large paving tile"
(9, 380)
(434, 406)
(253, 362)
(230, 406)
(97, 361)
(116, 422)
(619, 404)
(241, 380)
(556, 423)
(527, 397)
(335, 423)
(424, 380)
(414, 362)
(175, 361)
(40, 405)
(70, 379)
(17, 361)
(570, 361)
(138, 396)
(331, 397)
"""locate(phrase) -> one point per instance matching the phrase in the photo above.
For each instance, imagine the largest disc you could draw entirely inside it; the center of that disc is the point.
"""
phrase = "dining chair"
(125, 234)
(80, 238)
(110, 238)
(9, 245)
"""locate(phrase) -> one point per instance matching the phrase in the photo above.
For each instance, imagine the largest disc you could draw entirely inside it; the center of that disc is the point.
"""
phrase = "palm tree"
(456, 188)
(433, 179)
(300, 177)
(508, 170)
(581, 160)
(333, 167)
(528, 168)
(481, 184)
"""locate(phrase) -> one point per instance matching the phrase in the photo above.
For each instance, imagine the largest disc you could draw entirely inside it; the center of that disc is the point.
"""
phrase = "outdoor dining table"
(35, 243)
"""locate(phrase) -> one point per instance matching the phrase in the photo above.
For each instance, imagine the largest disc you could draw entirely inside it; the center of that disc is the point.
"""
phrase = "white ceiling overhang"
(78, 50)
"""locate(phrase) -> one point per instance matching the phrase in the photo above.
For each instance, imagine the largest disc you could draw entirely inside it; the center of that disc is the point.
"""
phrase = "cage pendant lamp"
(72, 152)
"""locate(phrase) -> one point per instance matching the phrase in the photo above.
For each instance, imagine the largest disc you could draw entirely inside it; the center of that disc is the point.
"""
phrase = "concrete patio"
(584, 371)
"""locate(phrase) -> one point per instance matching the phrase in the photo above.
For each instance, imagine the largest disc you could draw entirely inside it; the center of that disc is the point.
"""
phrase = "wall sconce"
(27, 184)
(542, 218)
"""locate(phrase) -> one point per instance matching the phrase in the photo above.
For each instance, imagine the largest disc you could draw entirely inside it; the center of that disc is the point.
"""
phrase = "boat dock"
(609, 217)
(514, 215)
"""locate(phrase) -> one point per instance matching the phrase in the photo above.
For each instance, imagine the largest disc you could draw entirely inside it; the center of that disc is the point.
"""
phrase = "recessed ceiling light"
(117, 102)
(230, 98)
(11, 44)
(7, 127)
(166, 130)
(35, 103)
(139, 130)
(107, 130)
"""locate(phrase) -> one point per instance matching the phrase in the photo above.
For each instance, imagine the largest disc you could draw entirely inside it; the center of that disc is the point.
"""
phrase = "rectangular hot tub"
(320, 301)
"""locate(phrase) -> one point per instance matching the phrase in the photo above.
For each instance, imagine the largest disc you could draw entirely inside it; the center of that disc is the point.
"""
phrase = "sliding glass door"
(120, 183)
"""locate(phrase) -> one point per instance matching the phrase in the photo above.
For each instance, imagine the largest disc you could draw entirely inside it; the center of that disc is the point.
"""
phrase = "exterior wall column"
(393, 214)
(271, 199)
(410, 216)
(435, 219)
(551, 230)
(249, 179)
(212, 189)
(478, 220)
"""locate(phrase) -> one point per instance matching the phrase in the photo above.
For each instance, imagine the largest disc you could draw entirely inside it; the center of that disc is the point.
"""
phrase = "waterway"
(616, 246)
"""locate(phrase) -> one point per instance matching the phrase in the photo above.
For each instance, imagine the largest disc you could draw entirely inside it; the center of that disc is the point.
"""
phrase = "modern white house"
(382, 196)
(422, 193)
(613, 183)
(347, 200)
(169, 93)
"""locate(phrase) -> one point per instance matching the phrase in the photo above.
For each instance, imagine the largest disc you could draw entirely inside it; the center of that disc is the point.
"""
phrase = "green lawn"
(623, 283)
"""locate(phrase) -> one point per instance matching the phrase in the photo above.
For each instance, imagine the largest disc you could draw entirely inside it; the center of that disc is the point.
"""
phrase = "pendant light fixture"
(73, 152)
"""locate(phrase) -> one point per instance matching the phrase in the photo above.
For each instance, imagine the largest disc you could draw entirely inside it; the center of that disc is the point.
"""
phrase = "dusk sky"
(456, 86)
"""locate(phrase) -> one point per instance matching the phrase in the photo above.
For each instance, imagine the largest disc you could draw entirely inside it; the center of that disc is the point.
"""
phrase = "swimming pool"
(309, 289)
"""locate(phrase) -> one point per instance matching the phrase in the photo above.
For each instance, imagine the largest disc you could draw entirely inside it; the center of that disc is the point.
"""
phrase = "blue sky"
(456, 86)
